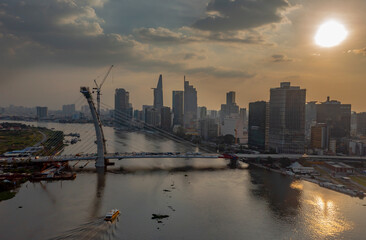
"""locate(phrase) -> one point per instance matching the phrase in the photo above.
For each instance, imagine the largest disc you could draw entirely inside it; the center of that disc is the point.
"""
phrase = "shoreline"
(327, 185)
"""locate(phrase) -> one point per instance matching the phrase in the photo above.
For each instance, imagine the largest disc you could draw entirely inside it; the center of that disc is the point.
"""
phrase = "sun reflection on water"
(297, 185)
(324, 218)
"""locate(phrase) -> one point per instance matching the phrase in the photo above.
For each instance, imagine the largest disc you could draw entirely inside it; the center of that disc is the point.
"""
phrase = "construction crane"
(99, 87)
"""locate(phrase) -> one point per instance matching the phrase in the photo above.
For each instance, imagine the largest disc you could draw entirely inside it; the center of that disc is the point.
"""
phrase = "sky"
(48, 49)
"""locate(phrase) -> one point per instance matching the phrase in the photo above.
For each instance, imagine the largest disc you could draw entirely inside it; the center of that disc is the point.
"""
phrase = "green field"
(17, 140)
(6, 195)
(359, 179)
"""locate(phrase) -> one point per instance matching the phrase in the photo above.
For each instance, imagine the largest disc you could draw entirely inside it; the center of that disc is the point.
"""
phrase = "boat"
(111, 215)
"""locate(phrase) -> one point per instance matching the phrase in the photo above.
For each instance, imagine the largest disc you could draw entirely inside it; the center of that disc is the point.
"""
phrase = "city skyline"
(246, 53)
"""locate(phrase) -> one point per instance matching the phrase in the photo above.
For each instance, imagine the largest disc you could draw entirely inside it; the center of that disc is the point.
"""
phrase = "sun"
(330, 34)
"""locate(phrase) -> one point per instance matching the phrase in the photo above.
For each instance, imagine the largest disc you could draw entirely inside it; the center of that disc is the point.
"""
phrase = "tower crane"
(99, 87)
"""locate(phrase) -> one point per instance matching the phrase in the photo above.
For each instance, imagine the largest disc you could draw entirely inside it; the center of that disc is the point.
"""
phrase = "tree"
(229, 139)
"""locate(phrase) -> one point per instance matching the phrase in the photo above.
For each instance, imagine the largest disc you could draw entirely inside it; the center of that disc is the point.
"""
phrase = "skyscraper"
(310, 117)
(41, 112)
(287, 119)
(122, 107)
(230, 107)
(230, 98)
(337, 116)
(258, 125)
(158, 94)
(68, 110)
(190, 105)
(177, 108)
(166, 118)
(361, 123)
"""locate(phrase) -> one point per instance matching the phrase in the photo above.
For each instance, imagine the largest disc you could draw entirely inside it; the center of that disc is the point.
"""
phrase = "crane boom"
(106, 75)
(98, 88)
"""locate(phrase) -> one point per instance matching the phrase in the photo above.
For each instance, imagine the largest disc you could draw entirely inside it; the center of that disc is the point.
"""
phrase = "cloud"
(163, 35)
(189, 56)
(190, 35)
(231, 15)
(220, 72)
(361, 51)
(69, 32)
(280, 58)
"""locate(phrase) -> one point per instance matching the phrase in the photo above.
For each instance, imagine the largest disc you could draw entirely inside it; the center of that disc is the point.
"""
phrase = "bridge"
(144, 155)
(102, 158)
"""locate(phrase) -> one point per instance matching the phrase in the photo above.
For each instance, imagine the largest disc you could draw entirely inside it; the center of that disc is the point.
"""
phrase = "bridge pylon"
(101, 161)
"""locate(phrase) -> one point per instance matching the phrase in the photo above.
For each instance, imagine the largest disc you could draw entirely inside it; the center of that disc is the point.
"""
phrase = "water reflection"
(281, 193)
(324, 219)
(95, 209)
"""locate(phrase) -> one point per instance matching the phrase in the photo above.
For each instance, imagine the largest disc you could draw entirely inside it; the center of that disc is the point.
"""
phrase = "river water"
(203, 198)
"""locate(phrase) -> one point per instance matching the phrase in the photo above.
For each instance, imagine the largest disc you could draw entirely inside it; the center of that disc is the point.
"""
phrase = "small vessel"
(111, 215)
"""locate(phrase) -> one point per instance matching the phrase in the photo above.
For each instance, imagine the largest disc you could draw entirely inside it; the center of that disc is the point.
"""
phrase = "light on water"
(203, 198)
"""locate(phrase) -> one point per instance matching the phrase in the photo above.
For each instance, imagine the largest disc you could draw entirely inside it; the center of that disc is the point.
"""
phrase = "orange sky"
(219, 47)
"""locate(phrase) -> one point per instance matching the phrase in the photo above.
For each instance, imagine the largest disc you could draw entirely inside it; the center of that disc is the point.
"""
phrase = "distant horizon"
(209, 109)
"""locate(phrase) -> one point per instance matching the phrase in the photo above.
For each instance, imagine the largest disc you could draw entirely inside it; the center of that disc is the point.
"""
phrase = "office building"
(122, 107)
(42, 112)
(230, 107)
(190, 105)
(361, 123)
(202, 113)
(337, 116)
(166, 119)
(177, 107)
(152, 116)
(310, 117)
(68, 110)
(287, 119)
(209, 129)
(258, 125)
(320, 136)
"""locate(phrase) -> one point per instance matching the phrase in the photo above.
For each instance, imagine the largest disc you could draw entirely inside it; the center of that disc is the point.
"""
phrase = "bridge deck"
(65, 158)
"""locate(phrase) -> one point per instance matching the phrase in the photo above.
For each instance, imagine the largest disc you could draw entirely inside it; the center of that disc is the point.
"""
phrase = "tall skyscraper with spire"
(158, 94)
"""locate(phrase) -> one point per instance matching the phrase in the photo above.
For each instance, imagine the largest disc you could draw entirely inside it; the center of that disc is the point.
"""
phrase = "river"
(203, 198)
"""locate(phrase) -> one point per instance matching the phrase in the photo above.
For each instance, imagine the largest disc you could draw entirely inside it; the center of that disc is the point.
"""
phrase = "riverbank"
(319, 180)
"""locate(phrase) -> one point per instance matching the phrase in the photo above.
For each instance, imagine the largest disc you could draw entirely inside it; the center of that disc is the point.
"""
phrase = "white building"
(298, 168)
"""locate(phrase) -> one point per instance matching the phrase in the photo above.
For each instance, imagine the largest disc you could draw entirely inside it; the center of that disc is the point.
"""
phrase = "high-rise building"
(122, 107)
(158, 94)
(287, 119)
(361, 123)
(337, 116)
(320, 136)
(177, 108)
(190, 105)
(138, 115)
(243, 116)
(68, 110)
(202, 112)
(42, 112)
(230, 98)
(166, 118)
(144, 108)
(152, 116)
(310, 117)
(213, 114)
(258, 125)
(209, 128)
(230, 107)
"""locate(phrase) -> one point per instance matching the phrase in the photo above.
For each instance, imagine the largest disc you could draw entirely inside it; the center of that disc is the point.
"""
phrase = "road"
(43, 139)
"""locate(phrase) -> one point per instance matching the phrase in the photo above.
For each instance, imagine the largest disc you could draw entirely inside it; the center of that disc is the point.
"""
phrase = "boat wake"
(98, 229)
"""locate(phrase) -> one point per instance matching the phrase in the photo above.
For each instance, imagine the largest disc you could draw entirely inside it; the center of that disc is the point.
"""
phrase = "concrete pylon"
(102, 150)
